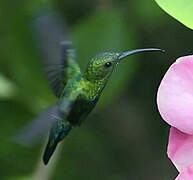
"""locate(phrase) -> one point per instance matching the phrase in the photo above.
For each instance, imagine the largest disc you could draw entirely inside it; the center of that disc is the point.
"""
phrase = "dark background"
(124, 138)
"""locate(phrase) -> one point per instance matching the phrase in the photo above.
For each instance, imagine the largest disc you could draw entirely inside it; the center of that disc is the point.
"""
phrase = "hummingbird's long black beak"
(127, 53)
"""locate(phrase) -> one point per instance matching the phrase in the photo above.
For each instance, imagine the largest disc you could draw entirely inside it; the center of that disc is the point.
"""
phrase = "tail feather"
(56, 135)
(50, 148)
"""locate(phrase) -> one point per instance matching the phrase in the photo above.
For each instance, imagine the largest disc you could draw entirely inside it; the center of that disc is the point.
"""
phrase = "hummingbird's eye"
(108, 64)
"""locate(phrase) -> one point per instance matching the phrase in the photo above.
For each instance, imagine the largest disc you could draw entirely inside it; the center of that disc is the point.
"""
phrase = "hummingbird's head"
(102, 65)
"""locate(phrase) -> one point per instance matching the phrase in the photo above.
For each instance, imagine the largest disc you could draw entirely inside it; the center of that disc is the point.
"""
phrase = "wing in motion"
(53, 117)
(38, 127)
(58, 55)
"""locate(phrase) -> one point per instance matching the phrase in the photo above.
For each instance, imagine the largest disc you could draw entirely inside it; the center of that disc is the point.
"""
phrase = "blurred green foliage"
(124, 138)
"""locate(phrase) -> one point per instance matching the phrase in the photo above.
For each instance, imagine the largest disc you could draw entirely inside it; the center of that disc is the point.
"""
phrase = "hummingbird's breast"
(80, 109)
(85, 101)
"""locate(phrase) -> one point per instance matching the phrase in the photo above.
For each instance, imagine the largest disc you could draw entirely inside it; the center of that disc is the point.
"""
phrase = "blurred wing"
(58, 55)
(38, 127)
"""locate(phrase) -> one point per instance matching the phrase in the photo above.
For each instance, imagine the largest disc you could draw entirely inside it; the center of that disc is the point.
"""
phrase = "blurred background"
(124, 138)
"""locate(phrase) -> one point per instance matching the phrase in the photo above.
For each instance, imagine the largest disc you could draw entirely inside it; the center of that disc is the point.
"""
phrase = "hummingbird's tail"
(57, 133)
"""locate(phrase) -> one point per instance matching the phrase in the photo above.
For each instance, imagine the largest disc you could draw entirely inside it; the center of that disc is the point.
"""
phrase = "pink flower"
(186, 175)
(175, 95)
(175, 104)
(180, 149)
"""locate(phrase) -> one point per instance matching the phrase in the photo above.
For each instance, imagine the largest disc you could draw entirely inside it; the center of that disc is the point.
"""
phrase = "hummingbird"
(77, 92)
(80, 92)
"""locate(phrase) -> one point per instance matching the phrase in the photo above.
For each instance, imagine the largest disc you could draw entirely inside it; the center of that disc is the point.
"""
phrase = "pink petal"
(175, 95)
(180, 149)
(186, 175)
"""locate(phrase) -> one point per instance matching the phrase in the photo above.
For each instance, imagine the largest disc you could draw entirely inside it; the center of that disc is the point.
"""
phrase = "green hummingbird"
(78, 92)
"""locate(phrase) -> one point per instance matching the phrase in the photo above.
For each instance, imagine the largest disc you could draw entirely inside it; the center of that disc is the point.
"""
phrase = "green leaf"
(182, 10)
